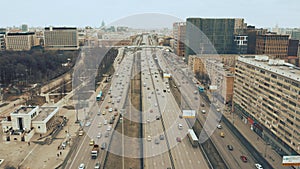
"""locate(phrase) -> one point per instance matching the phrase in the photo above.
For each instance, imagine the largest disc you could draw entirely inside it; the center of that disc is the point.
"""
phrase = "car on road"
(92, 142)
(178, 139)
(244, 158)
(87, 124)
(99, 135)
(99, 113)
(103, 145)
(105, 122)
(106, 134)
(258, 166)
(108, 128)
(219, 126)
(81, 166)
(222, 134)
(149, 138)
(180, 127)
(229, 147)
(99, 125)
(203, 111)
(80, 133)
(97, 165)
(161, 137)
(103, 112)
(156, 141)
(110, 109)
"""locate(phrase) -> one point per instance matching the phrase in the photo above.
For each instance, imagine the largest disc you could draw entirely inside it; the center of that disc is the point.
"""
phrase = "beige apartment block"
(268, 92)
(61, 38)
(19, 41)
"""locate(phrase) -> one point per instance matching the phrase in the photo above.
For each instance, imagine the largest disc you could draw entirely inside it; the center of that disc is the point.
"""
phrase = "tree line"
(35, 66)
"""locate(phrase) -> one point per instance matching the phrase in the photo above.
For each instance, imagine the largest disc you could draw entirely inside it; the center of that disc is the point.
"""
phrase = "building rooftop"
(44, 112)
(20, 33)
(278, 67)
(24, 110)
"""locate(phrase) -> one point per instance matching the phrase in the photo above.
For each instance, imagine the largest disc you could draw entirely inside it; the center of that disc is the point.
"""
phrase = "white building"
(27, 120)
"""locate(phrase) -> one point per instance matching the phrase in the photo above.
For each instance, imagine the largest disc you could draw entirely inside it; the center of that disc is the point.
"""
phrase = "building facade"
(61, 38)
(19, 41)
(272, 45)
(215, 70)
(179, 29)
(266, 95)
(210, 36)
(241, 44)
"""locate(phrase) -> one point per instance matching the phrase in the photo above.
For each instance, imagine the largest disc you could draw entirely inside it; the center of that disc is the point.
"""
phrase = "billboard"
(291, 161)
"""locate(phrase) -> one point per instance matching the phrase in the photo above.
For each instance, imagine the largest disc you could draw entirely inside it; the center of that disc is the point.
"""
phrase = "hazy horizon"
(262, 14)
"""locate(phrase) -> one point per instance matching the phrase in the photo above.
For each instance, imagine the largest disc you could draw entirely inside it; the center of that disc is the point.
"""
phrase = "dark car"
(230, 147)
(244, 159)
(178, 139)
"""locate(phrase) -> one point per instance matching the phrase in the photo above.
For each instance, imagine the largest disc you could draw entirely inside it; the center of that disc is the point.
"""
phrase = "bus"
(201, 89)
(98, 98)
(192, 137)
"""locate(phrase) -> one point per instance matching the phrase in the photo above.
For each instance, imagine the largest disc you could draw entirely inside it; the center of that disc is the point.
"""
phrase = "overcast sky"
(261, 13)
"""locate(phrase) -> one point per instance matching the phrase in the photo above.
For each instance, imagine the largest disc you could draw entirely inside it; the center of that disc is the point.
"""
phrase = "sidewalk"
(266, 150)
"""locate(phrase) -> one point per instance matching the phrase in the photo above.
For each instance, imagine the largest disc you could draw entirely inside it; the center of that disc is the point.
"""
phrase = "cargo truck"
(95, 151)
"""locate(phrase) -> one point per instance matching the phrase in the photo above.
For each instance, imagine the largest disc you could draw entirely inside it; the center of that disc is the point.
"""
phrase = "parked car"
(244, 158)
(219, 126)
(161, 137)
(156, 141)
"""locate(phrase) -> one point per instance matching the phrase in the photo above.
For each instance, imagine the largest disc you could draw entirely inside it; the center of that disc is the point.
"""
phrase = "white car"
(105, 122)
(87, 123)
(258, 166)
(219, 126)
(180, 127)
(110, 109)
(99, 135)
(108, 128)
(81, 166)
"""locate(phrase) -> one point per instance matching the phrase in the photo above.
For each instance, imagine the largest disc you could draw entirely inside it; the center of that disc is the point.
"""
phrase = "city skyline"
(92, 13)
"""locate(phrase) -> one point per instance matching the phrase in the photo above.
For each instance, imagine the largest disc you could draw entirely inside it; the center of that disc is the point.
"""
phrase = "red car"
(178, 139)
(244, 159)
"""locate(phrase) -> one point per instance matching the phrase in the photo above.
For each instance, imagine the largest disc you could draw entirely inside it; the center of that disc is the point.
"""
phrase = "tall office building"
(266, 95)
(293, 47)
(219, 33)
(24, 28)
(2, 38)
(61, 38)
(252, 32)
(179, 29)
(19, 41)
(273, 45)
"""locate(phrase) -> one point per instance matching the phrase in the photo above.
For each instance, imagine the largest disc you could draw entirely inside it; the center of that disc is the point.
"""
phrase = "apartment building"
(61, 38)
(273, 45)
(267, 95)
(179, 29)
(19, 41)
(211, 70)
